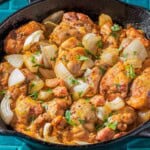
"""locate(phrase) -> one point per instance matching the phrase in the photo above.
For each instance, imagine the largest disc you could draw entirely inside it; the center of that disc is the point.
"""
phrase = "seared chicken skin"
(115, 82)
(73, 25)
(140, 91)
(15, 40)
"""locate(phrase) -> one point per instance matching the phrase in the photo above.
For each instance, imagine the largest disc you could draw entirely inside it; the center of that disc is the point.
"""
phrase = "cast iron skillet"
(120, 12)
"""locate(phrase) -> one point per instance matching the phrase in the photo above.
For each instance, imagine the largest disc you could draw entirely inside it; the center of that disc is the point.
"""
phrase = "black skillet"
(120, 12)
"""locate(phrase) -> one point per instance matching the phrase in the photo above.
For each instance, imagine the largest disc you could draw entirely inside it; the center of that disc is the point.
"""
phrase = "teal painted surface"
(13, 143)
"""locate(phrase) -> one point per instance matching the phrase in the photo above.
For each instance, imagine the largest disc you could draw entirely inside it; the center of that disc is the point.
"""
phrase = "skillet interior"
(121, 13)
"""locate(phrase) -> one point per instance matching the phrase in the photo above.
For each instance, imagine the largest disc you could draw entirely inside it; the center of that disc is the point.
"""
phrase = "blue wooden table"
(13, 143)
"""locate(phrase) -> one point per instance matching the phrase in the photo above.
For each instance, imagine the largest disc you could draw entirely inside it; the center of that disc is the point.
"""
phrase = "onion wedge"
(32, 38)
(5, 110)
(62, 72)
(16, 60)
(16, 77)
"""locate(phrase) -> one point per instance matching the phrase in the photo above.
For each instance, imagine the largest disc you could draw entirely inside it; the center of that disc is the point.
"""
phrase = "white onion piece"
(32, 38)
(49, 54)
(116, 104)
(87, 72)
(16, 60)
(103, 111)
(89, 41)
(62, 72)
(135, 50)
(81, 88)
(109, 56)
(5, 110)
(47, 130)
(16, 77)
(81, 142)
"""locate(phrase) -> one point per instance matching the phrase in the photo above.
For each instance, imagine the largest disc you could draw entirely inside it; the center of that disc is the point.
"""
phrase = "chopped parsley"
(102, 70)
(115, 28)
(2, 92)
(32, 85)
(118, 86)
(73, 81)
(130, 71)
(34, 95)
(99, 44)
(80, 93)
(112, 125)
(82, 58)
(91, 54)
(33, 59)
(134, 52)
(38, 65)
(68, 118)
(80, 44)
(107, 123)
(87, 99)
(49, 90)
(37, 52)
(81, 121)
(52, 58)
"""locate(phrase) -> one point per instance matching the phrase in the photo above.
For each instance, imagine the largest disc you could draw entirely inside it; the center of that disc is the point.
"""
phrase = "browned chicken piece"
(93, 80)
(73, 25)
(140, 91)
(60, 91)
(29, 75)
(124, 117)
(52, 83)
(15, 40)
(105, 134)
(5, 70)
(27, 109)
(16, 91)
(132, 33)
(84, 113)
(115, 82)
(98, 100)
(56, 107)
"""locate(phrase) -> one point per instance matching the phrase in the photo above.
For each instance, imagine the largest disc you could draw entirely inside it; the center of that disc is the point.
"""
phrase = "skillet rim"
(21, 135)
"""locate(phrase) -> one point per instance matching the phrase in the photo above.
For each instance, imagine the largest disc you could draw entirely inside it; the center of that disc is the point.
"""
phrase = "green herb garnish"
(112, 125)
(52, 58)
(80, 93)
(49, 90)
(33, 59)
(2, 92)
(80, 44)
(73, 81)
(37, 52)
(81, 121)
(68, 118)
(34, 95)
(38, 65)
(115, 28)
(130, 71)
(102, 70)
(135, 53)
(82, 58)
(118, 86)
(87, 99)
(99, 44)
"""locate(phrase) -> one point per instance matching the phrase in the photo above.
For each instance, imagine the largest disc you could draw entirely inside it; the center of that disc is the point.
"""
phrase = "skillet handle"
(144, 131)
